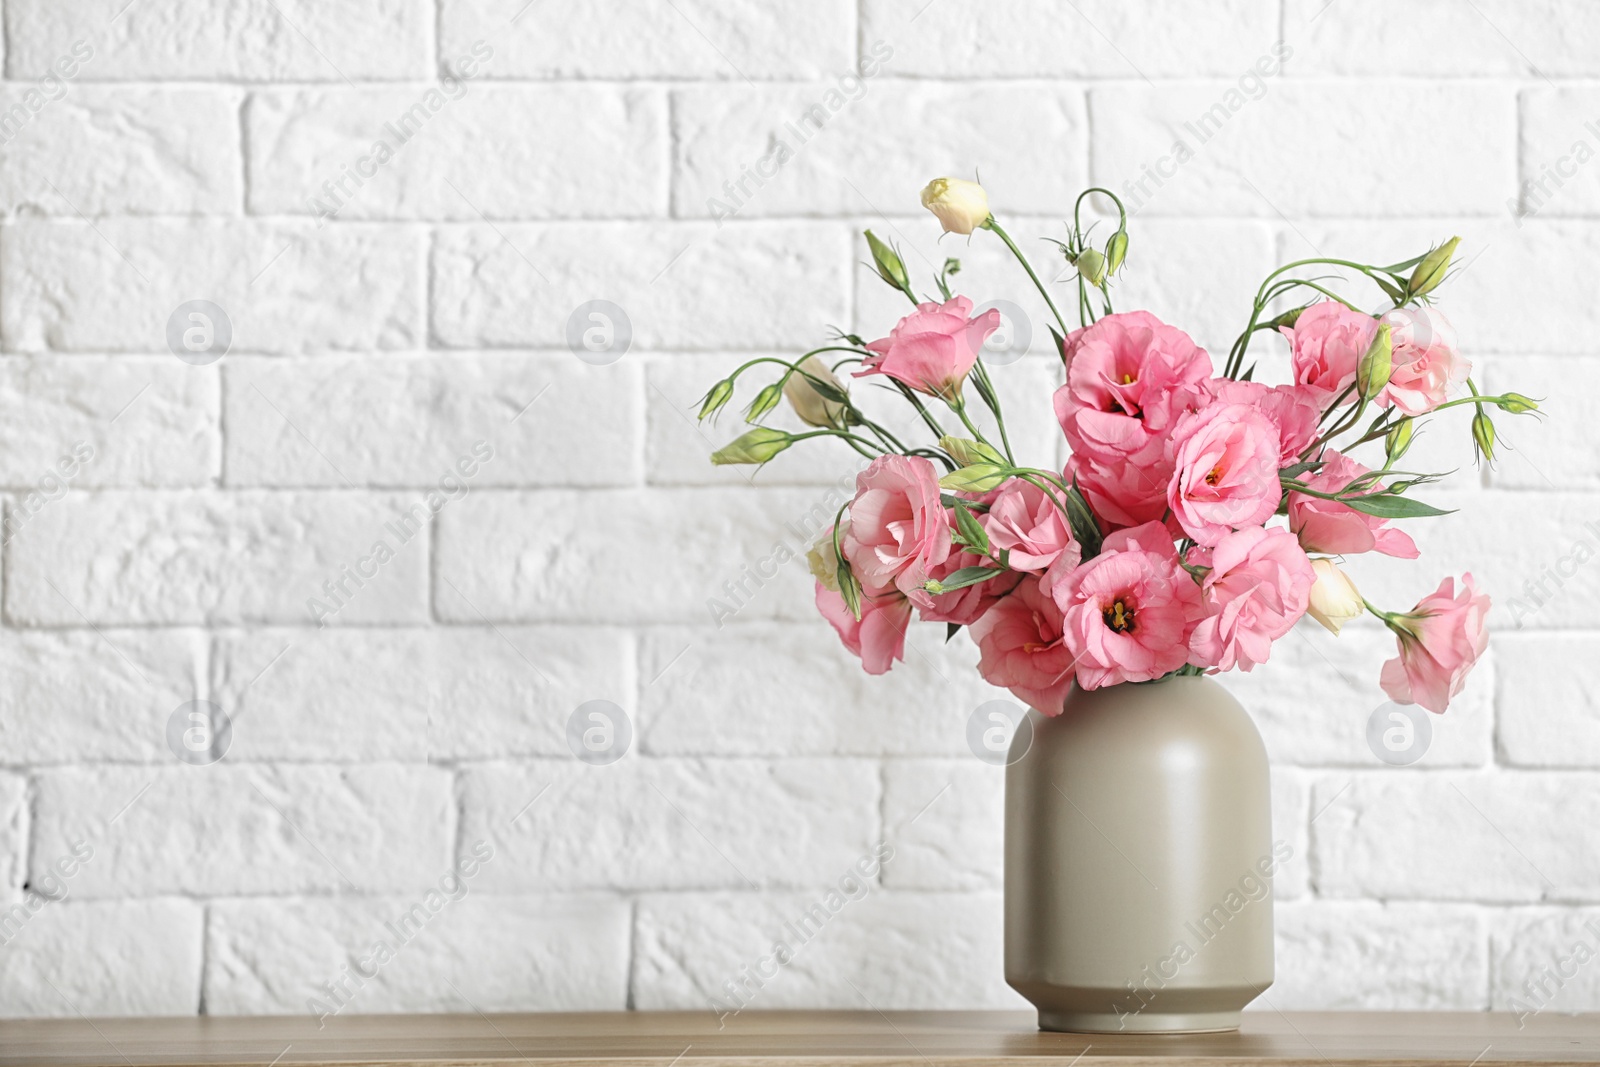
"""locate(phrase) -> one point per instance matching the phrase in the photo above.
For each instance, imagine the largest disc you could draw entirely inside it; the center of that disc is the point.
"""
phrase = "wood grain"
(801, 1039)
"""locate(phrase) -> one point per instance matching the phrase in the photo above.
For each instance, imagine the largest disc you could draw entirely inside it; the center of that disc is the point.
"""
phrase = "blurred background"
(377, 636)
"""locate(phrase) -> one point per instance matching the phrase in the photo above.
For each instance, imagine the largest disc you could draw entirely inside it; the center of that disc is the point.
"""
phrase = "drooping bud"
(1517, 404)
(1334, 599)
(1373, 372)
(1092, 266)
(764, 402)
(1483, 434)
(716, 399)
(960, 205)
(755, 446)
(1398, 440)
(890, 266)
(817, 402)
(974, 478)
(824, 561)
(1431, 271)
(967, 452)
(1116, 251)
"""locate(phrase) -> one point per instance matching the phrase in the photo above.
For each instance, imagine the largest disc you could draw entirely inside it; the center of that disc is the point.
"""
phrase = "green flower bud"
(967, 452)
(1517, 404)
(1116, 251)
(1398, 440)
(1373, 373)
(1431, 271)
(1092, 266)
(1483, 434)
(890, 267)
(764, 402)
(717, 398)
(756, 446)
(974, 478)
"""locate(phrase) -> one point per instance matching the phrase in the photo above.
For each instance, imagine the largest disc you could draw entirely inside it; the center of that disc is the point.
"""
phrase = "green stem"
(991, 224)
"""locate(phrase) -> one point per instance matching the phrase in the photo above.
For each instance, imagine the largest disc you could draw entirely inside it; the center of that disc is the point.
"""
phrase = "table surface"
(809, 1038)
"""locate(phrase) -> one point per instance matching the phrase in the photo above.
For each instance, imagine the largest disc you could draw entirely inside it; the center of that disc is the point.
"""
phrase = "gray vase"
(1139, 857)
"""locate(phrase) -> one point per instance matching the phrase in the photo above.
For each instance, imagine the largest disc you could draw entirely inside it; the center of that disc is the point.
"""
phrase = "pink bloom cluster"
(1200, 559)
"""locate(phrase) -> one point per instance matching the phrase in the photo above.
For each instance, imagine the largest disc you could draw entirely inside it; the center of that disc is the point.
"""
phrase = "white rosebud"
(962, 206)
(813, 408)
(824, 564)
(1334, 597)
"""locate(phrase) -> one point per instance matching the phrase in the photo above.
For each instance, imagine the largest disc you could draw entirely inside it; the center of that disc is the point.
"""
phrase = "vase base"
(1187, 1022)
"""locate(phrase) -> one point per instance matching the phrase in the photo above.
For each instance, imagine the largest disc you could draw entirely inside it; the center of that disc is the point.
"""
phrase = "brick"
(228, 829)
(792, 689)
(946, 822)
(1516, 545)
(1231, 162)
(571, 557)
(1548, 715)
(277, 956)
(699, 39)
(119, 686)
(1490, 39)
(13, 833)
(1556, 452)
(1312, 700)
(658, 274)
(113, 286)
(75, 959)
(1450, 836)
(782, 150)
(542, 421)
(206, 557)
(145, 422)
(669, 824)
(74, 149)
(1543, 961)
(880, 951)
(1366, 956)
(365, 694)
(257, 40)
(458, 153)
(1505, 267)
(1093, 39)
(1558, 141)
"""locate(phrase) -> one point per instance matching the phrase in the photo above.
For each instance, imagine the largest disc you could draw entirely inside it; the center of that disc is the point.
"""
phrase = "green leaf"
(1300, 468)
(971, 530)
(1061, 342)
(950, 501)
(1391, 292)
(1085, 530)
(968, 576)
(1385, 506)
(950, 630)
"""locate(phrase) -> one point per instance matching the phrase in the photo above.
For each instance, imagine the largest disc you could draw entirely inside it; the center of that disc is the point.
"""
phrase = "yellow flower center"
(1119, 617)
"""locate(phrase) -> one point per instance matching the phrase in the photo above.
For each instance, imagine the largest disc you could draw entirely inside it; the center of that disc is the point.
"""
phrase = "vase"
(1139, 860)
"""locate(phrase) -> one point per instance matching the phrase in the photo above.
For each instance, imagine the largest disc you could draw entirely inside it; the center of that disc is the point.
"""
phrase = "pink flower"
(1026, 522)
(1225, 476)
(1259, 584)
(898, 528)
(1122, 494)
(932, 349)
(879, 636)
(1426, 361)
(1296, 411)
(1440, 639)
(1326, 344)
(1333, 528)
(965, 606)
(1129, 377)
(1020, 647)
(1128, 613)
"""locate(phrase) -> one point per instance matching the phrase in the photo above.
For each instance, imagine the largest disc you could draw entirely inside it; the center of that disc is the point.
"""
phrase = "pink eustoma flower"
(1026, 522)
(1129, 377)
(1121, 494)
(1426, 362)
(1127, 614)
(878, 638)
(1020, 648)
(1330, 527)
(898, 527)
(1258, 586)
(932, 349)
(1440, 639)
(1225, 471)
(1296, 411)
(1326, 344)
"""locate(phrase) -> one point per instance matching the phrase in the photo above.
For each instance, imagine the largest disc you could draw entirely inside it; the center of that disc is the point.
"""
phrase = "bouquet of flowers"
(1201, 513)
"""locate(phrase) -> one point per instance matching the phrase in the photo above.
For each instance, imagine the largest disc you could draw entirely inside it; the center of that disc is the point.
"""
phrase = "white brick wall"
(189, 149)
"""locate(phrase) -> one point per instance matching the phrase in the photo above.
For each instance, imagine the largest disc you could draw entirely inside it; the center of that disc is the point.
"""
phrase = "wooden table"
(811, 1039)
